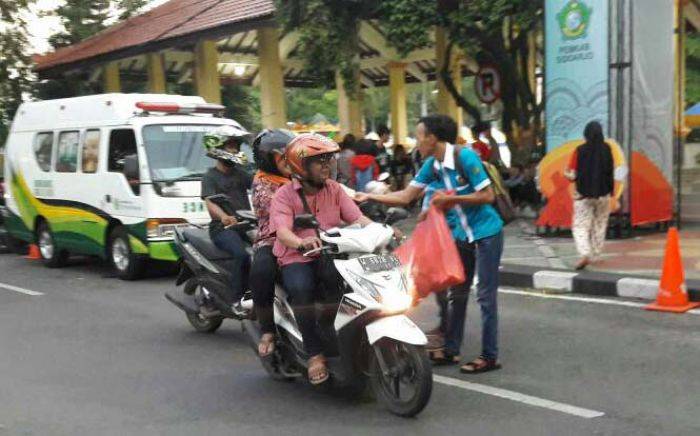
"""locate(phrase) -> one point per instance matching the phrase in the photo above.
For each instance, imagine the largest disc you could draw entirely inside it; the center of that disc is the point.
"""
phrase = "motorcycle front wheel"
(404, 382)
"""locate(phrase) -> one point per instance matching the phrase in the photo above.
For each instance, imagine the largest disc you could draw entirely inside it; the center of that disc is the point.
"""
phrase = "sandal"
(441, 358)
(318, 372)
(480, 365)
(266, 346)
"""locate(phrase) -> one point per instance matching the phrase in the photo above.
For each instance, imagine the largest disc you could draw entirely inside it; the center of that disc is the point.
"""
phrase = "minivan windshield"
(175, 151)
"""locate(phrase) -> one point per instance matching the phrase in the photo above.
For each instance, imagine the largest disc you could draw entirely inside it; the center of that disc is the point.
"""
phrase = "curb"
(587, 282)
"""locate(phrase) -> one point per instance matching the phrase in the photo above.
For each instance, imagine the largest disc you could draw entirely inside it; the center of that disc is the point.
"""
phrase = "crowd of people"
(305, 174)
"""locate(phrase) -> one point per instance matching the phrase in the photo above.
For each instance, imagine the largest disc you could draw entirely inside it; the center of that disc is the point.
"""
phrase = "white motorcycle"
(370, 340)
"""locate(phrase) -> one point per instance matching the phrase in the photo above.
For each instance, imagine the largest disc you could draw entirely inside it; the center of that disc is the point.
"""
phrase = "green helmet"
(214, 141)
(222, 134)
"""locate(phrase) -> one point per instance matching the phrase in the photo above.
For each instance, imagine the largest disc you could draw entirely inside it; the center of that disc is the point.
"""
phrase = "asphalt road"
(97, 356)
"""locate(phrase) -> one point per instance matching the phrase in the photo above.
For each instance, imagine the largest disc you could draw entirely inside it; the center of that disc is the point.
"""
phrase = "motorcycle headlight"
(163, 227)
(396, 302)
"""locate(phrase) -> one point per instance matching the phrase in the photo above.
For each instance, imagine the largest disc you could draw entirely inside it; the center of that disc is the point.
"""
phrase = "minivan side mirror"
(131, 167)
(305, 221)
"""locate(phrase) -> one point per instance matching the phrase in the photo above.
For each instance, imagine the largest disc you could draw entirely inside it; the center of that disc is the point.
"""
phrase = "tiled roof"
(171, 20)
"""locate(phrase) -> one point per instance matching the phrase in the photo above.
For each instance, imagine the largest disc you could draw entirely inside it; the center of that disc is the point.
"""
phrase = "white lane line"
(517, 396)
(582, 299)
(20, 290)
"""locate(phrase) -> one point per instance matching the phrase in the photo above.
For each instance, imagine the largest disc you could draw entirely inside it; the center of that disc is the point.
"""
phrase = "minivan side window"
(67, 153)
(122, 144)
(91, 151)
(43, 147)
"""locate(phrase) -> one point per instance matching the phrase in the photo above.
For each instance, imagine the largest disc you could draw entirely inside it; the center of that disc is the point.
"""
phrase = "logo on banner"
(574, 19)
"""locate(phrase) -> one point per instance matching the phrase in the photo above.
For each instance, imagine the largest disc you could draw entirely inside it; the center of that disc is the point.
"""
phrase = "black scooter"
(205, 271)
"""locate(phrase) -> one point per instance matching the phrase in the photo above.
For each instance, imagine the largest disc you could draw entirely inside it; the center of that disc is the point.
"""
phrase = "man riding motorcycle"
(305, 278)
(227, 177)
(273, 173)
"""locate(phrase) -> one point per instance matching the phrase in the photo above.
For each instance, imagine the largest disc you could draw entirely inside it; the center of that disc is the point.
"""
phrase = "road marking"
(517, 396)
(20, 290)
(582, 299)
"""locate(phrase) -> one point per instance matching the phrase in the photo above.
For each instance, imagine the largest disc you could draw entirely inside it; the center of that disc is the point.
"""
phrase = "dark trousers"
(230, 241)
(262, 282)
(487, 254)
(307, 283)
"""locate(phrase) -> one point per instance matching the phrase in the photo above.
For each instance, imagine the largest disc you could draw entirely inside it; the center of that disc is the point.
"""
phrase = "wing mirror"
(131, 167)
(395, 214)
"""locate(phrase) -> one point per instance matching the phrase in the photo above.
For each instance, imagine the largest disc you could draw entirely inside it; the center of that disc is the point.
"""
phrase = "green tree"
(490, 31)
(304, 103)
(494, 31)
(15, 62)
(81, 19)
(129, 8)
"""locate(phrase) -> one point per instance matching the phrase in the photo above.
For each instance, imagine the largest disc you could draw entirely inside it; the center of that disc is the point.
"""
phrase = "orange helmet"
(305, 146)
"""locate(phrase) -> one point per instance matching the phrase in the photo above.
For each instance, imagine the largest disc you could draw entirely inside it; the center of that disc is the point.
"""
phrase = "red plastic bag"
(431, 256)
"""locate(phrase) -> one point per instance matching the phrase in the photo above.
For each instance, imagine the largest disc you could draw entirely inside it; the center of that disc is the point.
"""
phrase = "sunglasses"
(323, 159)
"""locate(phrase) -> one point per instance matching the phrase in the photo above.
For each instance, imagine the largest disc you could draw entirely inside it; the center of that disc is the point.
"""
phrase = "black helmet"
(268, 143)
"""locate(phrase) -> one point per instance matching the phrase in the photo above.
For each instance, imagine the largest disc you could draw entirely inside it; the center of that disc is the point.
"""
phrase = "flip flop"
(318, 372)
(479, 365)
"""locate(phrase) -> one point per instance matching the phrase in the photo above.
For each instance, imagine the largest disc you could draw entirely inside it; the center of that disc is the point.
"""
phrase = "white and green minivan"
(107, 175)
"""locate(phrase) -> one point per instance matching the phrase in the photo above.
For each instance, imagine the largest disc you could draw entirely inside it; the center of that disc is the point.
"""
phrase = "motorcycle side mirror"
(383, 177)
(395, 214)
(306, 221)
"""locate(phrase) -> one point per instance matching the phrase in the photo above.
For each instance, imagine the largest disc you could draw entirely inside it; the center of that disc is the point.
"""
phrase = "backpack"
(502, 203)
(363, 177)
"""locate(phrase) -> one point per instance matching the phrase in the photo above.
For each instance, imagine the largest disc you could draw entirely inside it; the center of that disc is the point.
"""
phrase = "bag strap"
(307, 209)
(458, 162)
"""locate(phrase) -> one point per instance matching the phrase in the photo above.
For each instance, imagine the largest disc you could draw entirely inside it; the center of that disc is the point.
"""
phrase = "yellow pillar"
(272, 100)
(679, 77)
(349, 108)
(110, 77)
(445, 103)
(206, 71)
(156, 73)
(397, 100)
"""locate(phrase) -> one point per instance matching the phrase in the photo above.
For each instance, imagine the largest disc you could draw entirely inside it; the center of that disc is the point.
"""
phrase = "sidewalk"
(629, 267)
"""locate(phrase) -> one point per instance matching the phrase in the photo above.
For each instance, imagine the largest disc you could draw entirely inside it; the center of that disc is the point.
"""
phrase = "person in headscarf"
(591, 167)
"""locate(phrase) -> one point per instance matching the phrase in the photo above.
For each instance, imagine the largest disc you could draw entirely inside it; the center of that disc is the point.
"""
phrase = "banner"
(576, 57)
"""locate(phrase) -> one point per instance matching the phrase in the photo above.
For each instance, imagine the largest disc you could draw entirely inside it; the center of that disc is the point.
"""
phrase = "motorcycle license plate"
(379, 263)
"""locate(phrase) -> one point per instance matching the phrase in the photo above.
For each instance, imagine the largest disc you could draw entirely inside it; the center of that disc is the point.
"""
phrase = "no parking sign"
(488, 84)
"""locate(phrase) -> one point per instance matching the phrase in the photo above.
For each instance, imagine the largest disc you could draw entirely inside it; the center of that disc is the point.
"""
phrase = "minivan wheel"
(126, 264)
(52, 256)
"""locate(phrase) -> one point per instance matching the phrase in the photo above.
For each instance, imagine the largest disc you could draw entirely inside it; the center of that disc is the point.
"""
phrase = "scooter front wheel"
(401, 376)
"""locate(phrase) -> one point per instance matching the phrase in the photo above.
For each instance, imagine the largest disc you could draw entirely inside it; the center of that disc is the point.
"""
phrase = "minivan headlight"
(163, 227)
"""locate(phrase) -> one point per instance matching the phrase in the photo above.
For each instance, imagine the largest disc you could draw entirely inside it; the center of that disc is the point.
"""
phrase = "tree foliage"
(493, 31)
(692, 81)
(15, 61)
(81, 19)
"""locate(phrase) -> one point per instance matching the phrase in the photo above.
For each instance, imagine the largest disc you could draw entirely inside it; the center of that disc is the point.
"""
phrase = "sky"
(41, 27)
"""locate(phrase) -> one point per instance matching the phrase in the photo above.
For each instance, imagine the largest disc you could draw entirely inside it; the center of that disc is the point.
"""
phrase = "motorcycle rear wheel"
(409, 369)
(200, 323)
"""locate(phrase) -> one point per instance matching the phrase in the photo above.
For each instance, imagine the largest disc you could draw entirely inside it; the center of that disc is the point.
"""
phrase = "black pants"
(307, 283)
(262, 282)
(456, 297)
(231, 242)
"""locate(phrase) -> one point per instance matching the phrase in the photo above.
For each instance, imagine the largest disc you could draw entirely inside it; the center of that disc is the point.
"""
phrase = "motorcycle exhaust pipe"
(185, 302)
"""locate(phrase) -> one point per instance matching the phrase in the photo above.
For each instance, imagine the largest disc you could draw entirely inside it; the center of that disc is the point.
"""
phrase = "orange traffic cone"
(34, 253)
(672, 296)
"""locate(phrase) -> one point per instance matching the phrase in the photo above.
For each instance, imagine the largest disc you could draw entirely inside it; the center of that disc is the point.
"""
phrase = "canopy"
(692, 116)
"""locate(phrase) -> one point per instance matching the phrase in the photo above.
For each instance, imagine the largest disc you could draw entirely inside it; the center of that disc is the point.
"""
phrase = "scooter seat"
(199, 238)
